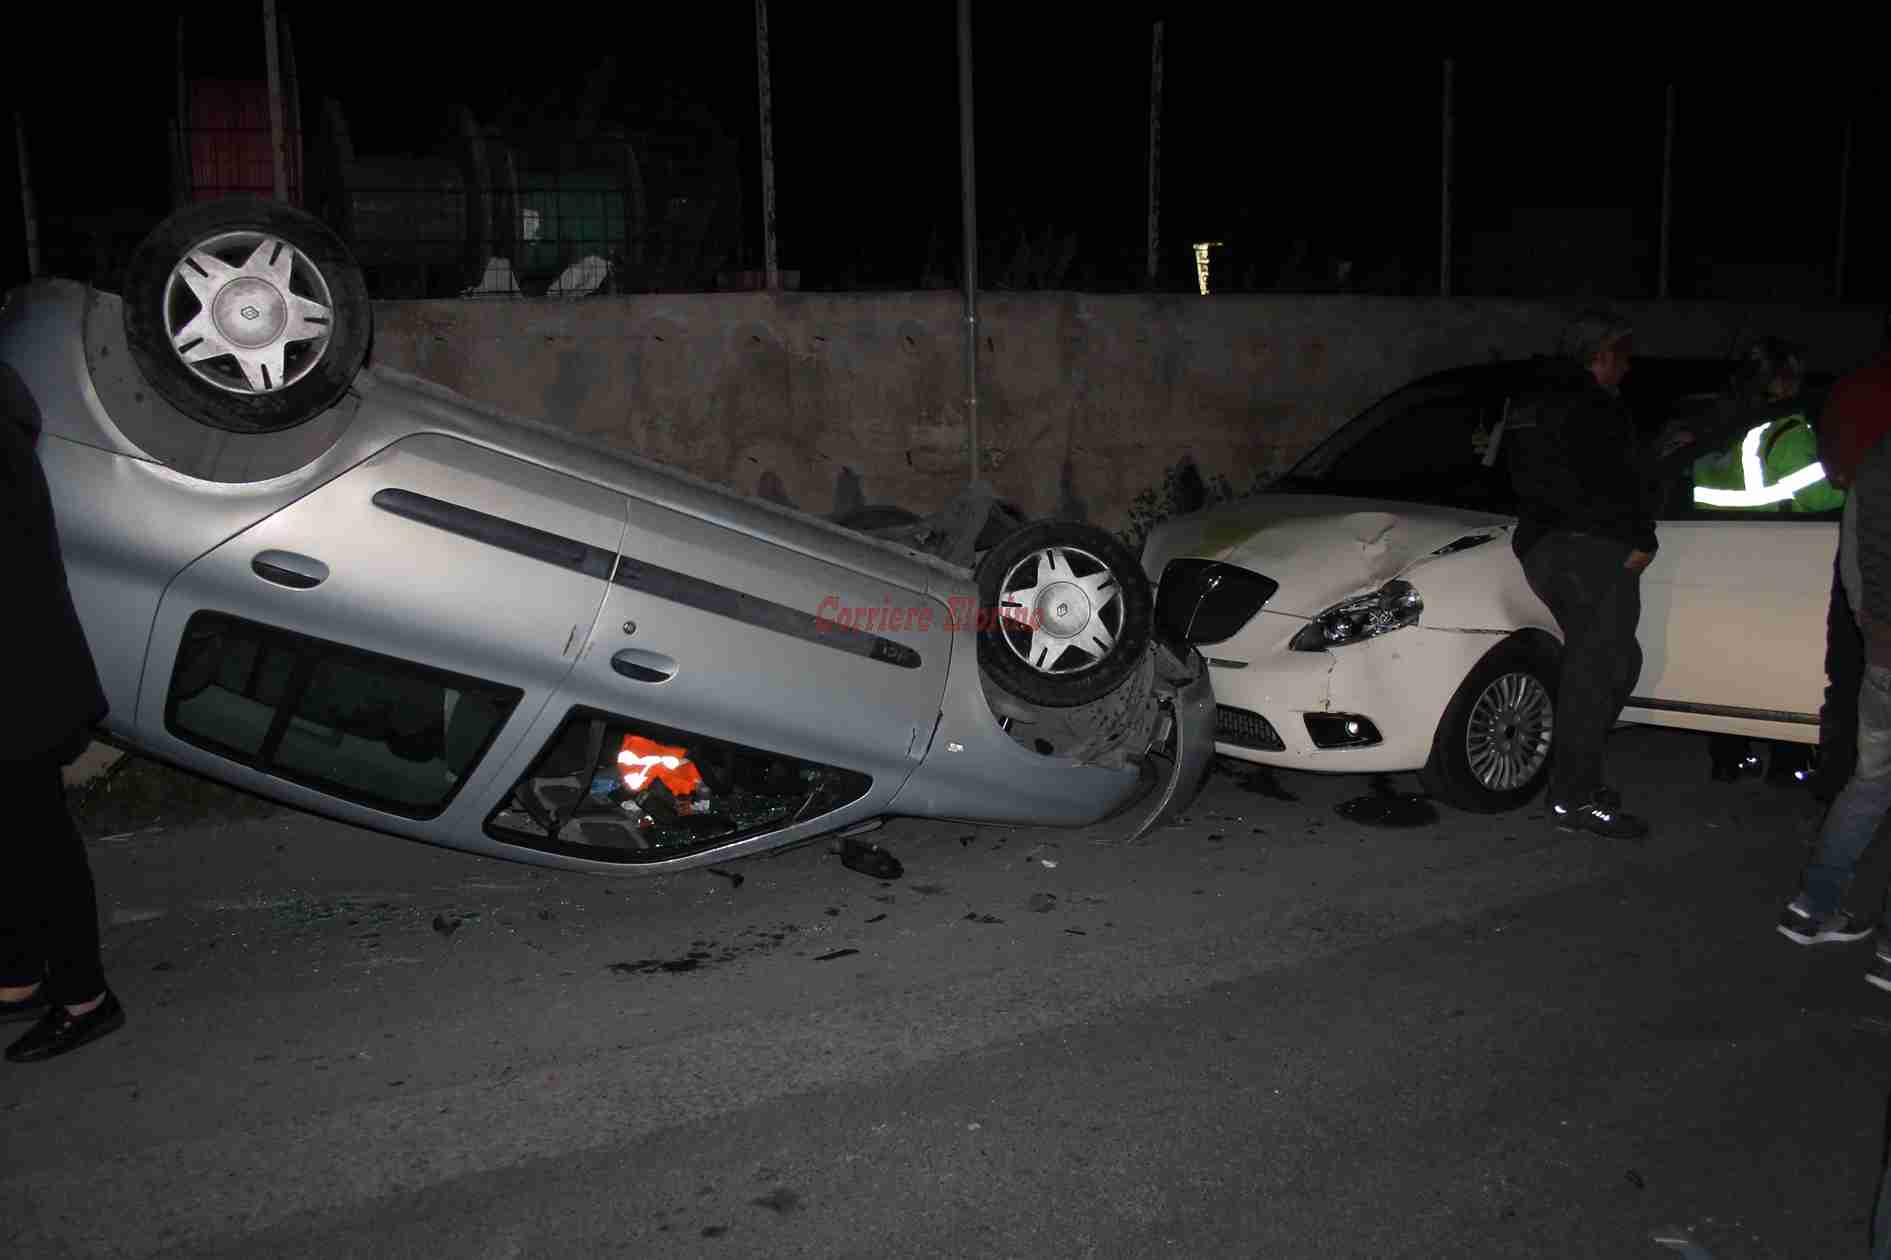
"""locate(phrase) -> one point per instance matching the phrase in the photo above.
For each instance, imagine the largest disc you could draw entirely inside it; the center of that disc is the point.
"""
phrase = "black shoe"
(1602, 818)
(1802, 927)
(31, 1007)
(60, 1031)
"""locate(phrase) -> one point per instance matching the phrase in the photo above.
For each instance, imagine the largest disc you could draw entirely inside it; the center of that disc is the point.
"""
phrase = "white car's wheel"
(246, 315)
(1493, 746)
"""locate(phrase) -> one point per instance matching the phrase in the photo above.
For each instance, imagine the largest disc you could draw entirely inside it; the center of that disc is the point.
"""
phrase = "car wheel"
(1064, 613)
(1492, 750)
(246, 315)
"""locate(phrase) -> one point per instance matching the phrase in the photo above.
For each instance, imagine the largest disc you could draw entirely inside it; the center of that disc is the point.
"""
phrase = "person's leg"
(1728, 755)
(82, 1008)
(1815, 914)
(1621, 615)
(1844, 673)
(74, 974)
(1575, 768)
(1597, 604)
(22, 909)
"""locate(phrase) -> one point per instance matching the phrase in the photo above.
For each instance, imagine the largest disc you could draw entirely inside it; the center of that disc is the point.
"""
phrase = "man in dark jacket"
(49, 941)
(1586, 531)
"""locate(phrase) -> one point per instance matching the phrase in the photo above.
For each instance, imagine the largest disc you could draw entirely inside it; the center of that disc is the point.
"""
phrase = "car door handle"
(286, 568)
(641, 666)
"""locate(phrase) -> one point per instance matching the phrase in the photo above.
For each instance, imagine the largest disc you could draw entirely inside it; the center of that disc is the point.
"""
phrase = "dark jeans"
(1844, 672)
(1597, 604)
(48, 910)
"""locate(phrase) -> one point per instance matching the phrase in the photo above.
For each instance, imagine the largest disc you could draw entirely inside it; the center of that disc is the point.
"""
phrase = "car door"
(1733, 621)
(732, 667)
(372, 649)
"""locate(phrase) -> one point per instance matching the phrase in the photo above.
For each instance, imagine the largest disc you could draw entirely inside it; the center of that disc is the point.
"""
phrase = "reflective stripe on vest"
(1757, 493)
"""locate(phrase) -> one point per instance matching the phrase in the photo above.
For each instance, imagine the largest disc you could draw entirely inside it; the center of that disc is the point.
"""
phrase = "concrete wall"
(1083, 400)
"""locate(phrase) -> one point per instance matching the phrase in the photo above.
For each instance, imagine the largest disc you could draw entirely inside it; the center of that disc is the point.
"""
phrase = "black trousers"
(48, 908)
(1844, 674)
(1597, 603)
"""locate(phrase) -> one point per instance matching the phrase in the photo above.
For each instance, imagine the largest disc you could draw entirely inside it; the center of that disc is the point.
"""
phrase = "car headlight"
(1392, 606)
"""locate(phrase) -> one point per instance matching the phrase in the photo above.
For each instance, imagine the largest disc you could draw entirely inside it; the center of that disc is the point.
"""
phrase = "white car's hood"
(1320, 548)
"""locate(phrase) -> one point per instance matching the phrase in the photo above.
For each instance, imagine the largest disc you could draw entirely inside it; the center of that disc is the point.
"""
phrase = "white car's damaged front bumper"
(1370, 706)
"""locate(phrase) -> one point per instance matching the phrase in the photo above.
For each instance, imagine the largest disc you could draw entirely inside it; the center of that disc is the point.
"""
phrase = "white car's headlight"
(1392, 606)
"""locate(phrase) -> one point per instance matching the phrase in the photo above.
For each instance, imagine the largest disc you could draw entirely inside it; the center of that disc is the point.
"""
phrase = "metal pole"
(26, 198)
(182, 176)
(770, 264)
(1155, 151)
(275, 101)
(1844, 211)
(1444, 216)
(1667, 199)
(968, 192)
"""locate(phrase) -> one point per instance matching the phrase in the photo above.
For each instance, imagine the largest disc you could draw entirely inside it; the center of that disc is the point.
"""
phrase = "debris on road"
(869, 859)
(1384, 806)
(781, 1199)
(974, 916)
(1678, 1239)
(1635, 1179)
(446, 926)
(876, 918)
(1041, 903)
(735, 880)
(832, 954)
(648, 966)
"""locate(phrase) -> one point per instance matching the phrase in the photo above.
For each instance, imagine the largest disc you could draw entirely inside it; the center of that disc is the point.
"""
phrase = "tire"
(1493, 747)
(270, 377)
(1091, 604)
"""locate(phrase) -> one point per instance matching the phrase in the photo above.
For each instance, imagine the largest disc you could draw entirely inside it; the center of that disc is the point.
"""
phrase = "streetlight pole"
(968, 191)
(274, 61)
(1444, 185)
(1667, 199)
(770, 263)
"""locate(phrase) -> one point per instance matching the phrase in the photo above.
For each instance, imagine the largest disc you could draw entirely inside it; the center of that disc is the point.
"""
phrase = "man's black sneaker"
(1602, 818)
(59, 1031)
(1879, 973)
(1800, 925)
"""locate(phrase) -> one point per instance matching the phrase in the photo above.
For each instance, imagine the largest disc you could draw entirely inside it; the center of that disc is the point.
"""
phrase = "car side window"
(621, 789)
(1439, 448)
(391, 734)
(1705, 470)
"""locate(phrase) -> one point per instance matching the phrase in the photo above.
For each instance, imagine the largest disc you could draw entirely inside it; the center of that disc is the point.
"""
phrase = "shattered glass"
(629, 790)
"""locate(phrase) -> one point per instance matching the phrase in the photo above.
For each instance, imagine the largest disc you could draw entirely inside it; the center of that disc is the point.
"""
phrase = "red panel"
(227, 139)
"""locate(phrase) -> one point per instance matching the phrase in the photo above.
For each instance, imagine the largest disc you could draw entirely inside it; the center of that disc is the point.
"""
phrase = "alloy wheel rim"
(1507, 741)
(247, 312)
(1060, 610)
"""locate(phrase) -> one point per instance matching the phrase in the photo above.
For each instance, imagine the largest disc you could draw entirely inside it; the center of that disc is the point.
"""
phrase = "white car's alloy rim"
(248, 312)
(1507, 741)
(1060, 610)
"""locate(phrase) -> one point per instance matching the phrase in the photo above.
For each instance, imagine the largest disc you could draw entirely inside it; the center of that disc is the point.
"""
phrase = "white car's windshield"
(1427, 443)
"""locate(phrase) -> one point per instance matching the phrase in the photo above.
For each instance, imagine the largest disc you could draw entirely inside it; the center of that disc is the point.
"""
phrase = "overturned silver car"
(362, 595)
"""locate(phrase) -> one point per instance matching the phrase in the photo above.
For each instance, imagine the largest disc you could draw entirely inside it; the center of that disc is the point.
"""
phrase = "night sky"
(1271, 140)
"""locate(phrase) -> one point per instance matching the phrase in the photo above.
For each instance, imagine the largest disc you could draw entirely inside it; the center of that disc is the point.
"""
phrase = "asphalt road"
(1270, 1032)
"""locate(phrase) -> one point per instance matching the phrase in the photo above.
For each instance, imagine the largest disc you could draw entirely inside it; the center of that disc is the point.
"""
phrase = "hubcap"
(1507, 741)
(1060, 610)
(247, 312)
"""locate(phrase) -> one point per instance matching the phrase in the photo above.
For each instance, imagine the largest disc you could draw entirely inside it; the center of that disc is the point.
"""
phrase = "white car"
(1367, 613)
